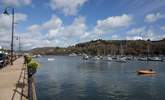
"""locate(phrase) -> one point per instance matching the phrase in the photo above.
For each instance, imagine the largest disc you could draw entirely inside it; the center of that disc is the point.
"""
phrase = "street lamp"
(19, 43)
(6, 13)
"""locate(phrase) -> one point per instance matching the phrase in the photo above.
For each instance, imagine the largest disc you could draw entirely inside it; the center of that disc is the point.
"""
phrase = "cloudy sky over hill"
(67, 22)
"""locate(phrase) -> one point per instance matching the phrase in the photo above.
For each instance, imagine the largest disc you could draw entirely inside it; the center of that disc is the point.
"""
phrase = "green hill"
(105, 47)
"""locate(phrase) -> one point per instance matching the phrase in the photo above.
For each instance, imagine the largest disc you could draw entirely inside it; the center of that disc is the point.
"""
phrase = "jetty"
(14, 81)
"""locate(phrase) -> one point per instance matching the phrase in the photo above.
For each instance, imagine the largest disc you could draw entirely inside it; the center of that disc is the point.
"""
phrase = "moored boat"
(73, 54)
(121, 60)
(85, 57)
(149, 71)
(96, 58)
(143, 59)
(155, 59)
(107, 58)
(51, 59)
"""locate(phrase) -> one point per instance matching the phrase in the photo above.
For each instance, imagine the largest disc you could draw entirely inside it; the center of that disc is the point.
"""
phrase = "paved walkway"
(13, 81)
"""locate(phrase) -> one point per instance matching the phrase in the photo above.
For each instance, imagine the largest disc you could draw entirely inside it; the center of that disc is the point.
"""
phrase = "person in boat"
(150, 70)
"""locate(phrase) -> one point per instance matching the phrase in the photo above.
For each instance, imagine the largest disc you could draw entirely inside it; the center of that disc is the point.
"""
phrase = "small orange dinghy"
(150, 71)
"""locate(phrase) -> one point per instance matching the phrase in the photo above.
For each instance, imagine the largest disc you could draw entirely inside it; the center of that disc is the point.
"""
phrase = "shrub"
(33, 65)
(28, 59)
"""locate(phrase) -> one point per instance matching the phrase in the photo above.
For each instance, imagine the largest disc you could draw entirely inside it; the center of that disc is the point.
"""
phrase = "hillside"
(105, 47)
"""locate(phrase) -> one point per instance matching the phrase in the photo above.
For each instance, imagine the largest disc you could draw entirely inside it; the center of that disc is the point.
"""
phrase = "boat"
(143, 59)
(129, 58)
(121, 60)
(148, 71)
(114, 57)
(148, 54)
(73, 54)
(85, 57)
(155, 59)
(34, 56)
(38, 56)
(51, 59)
(107, 58)
(96, 58)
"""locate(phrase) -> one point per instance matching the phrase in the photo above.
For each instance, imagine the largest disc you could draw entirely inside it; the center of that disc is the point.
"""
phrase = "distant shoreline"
(107, 47)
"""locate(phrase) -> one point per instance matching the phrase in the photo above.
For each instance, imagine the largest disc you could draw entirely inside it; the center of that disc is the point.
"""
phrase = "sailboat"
(107, 58)
(148, 52)
(143, 59)
(120, 58)
(85, 57)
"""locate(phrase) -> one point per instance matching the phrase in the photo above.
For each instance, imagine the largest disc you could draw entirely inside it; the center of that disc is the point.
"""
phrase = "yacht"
(73, 54)
(51, 59)
(38, 56)
(121, 60)
(155, 59)
(107, 58)
(85, 57)
(96, 58)
(143, 59)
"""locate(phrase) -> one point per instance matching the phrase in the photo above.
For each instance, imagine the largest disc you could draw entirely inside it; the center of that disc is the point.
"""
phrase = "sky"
(51, 23)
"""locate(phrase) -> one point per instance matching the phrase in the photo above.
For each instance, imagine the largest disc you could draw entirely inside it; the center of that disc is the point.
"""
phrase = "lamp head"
(5, 12)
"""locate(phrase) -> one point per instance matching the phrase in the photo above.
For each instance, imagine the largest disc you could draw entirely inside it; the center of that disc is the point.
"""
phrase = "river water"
(70, 78)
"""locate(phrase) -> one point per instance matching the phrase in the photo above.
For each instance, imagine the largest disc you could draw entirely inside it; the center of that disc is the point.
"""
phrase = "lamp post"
(19, 43)
(19, 39)
(12, 36)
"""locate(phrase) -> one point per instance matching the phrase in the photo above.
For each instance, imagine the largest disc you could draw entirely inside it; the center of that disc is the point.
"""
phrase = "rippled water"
(70, 78)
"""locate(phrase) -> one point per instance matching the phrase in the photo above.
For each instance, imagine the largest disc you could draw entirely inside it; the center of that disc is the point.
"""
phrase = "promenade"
(13, 81)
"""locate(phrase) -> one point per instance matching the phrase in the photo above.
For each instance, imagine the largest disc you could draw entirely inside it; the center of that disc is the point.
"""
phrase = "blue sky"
(67, 22)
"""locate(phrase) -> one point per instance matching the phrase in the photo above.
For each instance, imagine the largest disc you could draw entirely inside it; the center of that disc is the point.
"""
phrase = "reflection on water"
(70, 78)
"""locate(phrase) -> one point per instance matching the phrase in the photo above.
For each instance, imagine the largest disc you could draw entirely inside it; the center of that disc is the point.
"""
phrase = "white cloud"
(154, 17)
(5, 27)
(77, 28)
(136, 31)
(68, 7)
(52, 34)
(85, 35)
(134, 38)
(20, 17)
(110, 23)
(76, 32)
(34, 28)
(15, 2)
(88, 36)
(149, 34)
(115, 37)
(162, 28)
(54, 23)
(144, 33)
(5, 20)
(57, 34)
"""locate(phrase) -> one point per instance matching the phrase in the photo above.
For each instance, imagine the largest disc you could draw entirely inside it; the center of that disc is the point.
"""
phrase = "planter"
(31, 72)
(32, 68)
